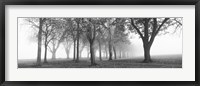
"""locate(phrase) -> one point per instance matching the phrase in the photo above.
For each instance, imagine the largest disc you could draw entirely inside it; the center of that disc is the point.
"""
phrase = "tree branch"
(132, 23)
(50, 49)
(165, 20)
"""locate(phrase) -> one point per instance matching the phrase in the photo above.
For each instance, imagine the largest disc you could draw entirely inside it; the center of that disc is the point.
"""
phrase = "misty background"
(168, 44)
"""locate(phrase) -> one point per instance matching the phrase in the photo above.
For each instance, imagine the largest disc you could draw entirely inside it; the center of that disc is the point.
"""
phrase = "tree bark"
(77, 58)
(45, 53)
(92, 57)
(110, 51)
(147, 57)
(74, 50)
(39, 42)
(115, 52)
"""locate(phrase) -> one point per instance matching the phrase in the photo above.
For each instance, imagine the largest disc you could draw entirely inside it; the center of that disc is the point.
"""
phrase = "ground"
(164, 61)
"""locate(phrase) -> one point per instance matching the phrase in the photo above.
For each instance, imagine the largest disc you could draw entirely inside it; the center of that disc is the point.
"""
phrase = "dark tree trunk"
(92, 57)
(68, 54)
(77, 58)
(45, 53)
(100, 51)
(147, 57)
(39, 42)
(110, 51)
(74, 50)
(115, 52)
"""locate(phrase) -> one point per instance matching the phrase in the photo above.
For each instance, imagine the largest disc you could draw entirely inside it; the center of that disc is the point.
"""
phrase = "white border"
(187, 73)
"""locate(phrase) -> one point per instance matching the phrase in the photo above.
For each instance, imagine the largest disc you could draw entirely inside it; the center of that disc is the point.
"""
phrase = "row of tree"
(109, 36)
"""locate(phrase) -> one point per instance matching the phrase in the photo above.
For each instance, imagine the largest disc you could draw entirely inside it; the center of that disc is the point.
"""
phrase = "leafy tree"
(91, 26)
(58, 35)
(67, 44)
(149, 28)
(47, 31)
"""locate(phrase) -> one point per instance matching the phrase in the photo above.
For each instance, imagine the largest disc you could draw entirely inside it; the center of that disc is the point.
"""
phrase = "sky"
(163, 45)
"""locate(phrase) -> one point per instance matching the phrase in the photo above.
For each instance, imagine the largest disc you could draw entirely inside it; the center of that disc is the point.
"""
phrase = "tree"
(148, 29)
(110, 30)
(47, 31)
(58, 35)
(41, 21)
(115, 33)
(91, 27)
(120, 33)
(67, 44)
(100, 39)
(38, 24)
(78, 31)
(83, 43)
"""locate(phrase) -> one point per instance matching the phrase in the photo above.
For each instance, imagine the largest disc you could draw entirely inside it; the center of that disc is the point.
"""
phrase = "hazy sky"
(164, 44)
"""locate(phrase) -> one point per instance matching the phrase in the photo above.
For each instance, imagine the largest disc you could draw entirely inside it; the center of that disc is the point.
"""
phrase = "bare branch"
(132, 23)
(161, 25)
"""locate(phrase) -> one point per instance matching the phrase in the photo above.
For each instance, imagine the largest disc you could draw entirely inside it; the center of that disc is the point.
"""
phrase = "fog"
(163, 45)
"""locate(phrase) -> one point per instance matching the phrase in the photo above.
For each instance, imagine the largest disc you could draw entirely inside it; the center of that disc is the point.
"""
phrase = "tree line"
(109, 36)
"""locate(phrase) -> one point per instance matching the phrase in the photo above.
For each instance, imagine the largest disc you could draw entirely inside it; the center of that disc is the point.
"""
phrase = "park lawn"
(170, 61)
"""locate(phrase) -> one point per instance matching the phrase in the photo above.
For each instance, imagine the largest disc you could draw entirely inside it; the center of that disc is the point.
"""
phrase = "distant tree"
(68, 41)
(100, 39)
(120, 34)
(47, 31)
(83, 43)
(91, 26)
(148, 29)
(78, 22)
(115, 33)
(58, 35)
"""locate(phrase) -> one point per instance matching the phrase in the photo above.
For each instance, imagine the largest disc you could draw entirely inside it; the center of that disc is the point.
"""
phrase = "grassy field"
(164, 61)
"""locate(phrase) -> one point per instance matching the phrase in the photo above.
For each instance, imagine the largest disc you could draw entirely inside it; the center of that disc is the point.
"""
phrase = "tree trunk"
(39, 42)
(54, 54)
(77, 58)
(74, 50)
(147, 57)
(115, 52)
(100, 58)
(110, 51)
(45, 53)
(67, 52)
(92, 57)
(106, 53)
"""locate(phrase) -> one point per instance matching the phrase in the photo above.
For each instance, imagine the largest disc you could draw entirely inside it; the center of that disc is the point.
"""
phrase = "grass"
(167, 61)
